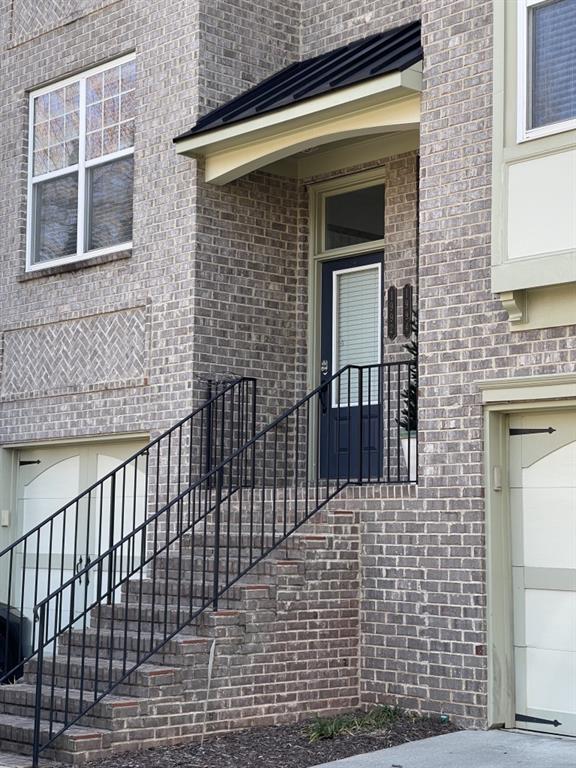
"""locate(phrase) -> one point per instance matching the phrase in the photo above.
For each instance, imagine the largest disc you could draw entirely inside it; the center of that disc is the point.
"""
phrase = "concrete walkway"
(471, 749)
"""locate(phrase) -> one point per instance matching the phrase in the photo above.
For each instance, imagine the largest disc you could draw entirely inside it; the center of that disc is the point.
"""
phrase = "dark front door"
(351, 334)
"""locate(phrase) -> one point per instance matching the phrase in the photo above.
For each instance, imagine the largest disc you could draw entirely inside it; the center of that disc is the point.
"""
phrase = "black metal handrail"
(209, 535)
(72, 537)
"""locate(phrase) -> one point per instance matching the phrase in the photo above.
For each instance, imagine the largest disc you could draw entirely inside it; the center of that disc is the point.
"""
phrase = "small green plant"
(374, 720)
(409, 416)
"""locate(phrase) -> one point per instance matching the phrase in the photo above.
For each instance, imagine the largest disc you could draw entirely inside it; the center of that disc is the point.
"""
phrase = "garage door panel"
(550, 617)
(52, 477)
(545, 527)
(526, 450)
(556, 470)
(550, 578)
(549, 529)
(550, 680)
(543, 518)
(48, 480)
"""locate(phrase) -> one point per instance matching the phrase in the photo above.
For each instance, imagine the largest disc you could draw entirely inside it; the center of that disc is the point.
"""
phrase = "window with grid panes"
(81, 165)
(548, 82)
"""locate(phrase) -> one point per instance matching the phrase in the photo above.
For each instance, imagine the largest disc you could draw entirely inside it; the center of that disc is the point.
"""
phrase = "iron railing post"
(217, 510)
(111, 525)
(39, 674)
(209, 436)
(361, 424)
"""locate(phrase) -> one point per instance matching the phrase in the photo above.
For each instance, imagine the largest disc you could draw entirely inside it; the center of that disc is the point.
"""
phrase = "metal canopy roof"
(391, 51)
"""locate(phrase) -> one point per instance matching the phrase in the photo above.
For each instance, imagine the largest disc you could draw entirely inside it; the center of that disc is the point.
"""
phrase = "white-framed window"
(81, 166)
(349, 215)
(546, 67)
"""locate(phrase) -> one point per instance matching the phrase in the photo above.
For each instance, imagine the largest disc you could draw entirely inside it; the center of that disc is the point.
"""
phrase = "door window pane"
(110, 208)
(354, 217)
(56, 217)
(553, 62)
(357, 328)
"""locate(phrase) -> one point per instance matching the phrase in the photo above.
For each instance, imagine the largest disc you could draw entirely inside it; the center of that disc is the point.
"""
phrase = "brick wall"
(328, 24)
(246, 281)
(207, 261)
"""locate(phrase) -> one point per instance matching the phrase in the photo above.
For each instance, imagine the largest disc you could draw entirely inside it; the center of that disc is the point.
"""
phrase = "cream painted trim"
(225, 165)
(501, 398)
(546, 269)
(499, 593)
(534, 272)
(528, 388)
(383, 105)
(514, 302)
(369, 92)
(56, 442)
(353, 153)
(551, 306)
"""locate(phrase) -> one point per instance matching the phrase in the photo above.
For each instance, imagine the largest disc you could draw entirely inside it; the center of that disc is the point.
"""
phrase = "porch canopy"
(305, 115)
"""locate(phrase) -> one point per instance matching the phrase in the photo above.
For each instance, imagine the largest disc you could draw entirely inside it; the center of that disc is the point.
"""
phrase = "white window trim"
(80, 168)
(335, 362)
(524, 133)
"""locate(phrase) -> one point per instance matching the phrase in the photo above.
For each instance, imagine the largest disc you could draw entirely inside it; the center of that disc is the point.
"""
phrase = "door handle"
(79, 568)
(324, 367)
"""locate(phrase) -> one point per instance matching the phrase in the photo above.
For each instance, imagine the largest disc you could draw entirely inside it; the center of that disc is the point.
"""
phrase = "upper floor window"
(547, 67)
(80, 169)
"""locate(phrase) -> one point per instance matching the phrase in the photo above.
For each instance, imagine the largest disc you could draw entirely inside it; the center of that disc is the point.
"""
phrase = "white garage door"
(543, 504)
(49, 478)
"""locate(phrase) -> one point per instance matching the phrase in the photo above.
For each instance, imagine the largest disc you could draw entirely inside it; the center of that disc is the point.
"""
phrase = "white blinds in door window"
(357, 326)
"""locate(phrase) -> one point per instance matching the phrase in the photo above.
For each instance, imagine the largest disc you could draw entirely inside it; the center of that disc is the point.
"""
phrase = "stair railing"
(88, 527)
(210, 535)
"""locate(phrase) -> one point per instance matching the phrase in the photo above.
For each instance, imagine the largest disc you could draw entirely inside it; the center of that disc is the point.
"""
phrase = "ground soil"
(282, 746)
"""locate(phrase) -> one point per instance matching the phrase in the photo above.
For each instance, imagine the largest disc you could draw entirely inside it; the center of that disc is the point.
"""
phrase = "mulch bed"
(282, 746)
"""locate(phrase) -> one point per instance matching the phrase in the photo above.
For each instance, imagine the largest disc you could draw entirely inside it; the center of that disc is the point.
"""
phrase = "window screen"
(552, 62)
(357, 326)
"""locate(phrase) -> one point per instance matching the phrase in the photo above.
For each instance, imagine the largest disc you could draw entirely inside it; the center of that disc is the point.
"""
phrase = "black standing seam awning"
(374, 56)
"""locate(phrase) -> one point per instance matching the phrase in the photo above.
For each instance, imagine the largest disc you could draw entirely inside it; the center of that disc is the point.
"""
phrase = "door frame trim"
(500, 399)
(63, 441)
(316, 197)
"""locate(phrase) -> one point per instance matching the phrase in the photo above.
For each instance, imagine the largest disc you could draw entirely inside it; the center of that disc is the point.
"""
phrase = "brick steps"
(17, 735)
(275, 652)
(148, 681)
(131, 645)
(144, 589)
(112, 711)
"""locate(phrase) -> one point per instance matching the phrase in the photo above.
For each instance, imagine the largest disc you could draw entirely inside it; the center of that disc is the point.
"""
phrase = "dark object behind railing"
(116, 505)
(208, 536)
